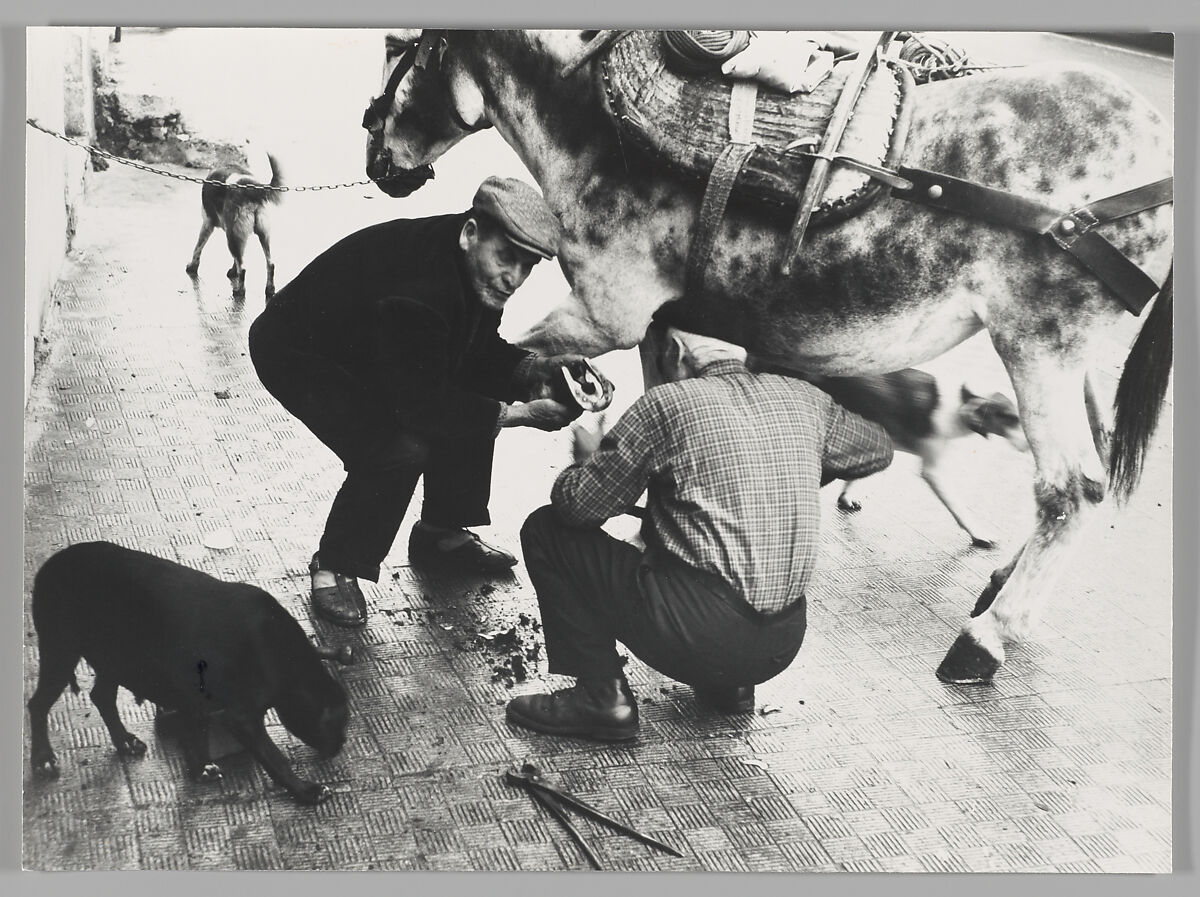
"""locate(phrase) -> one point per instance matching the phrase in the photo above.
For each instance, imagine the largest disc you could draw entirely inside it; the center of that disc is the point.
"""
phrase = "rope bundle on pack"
(700, 51)
(933, 59)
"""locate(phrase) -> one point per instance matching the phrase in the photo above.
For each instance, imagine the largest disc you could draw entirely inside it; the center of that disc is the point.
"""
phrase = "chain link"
(96, 151)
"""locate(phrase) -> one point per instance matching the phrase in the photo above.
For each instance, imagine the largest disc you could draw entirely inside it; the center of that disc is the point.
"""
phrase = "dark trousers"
(594, 590)
(383, 461)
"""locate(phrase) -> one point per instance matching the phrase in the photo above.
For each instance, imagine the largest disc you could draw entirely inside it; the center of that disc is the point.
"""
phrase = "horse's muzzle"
(395, 182)
(400, 182)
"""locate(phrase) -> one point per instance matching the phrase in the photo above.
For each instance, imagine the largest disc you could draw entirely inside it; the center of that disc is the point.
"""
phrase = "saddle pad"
(683, 121)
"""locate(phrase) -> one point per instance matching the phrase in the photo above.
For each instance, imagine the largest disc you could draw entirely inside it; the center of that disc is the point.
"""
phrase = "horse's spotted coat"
(894, 286)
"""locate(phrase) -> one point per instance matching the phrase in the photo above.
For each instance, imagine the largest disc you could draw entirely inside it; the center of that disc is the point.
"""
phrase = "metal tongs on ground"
(530, 778)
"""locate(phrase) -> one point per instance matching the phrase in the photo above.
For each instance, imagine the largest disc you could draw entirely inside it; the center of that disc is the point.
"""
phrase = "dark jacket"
(391, 304)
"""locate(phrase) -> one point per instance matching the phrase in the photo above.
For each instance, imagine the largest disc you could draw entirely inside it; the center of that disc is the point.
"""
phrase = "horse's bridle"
(425, 53)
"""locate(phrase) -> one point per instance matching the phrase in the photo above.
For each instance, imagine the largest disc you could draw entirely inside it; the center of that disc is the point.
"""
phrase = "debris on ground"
(770, 708)
(510, 672)
(516, 648)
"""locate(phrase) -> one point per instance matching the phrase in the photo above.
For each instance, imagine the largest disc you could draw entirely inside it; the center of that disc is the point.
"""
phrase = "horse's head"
(428, 104)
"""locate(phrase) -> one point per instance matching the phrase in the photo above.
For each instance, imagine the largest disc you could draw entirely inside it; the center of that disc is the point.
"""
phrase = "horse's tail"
(1140, 394)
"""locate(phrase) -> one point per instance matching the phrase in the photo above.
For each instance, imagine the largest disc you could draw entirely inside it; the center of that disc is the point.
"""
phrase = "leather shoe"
(726, 698)
(601, 709)
(342, 604)
(474, 554)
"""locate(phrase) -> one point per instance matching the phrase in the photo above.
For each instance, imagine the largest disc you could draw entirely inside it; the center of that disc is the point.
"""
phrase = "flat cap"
(521, 211)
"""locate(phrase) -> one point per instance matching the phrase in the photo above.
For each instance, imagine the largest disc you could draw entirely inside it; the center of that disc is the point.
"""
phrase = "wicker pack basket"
(682, 122)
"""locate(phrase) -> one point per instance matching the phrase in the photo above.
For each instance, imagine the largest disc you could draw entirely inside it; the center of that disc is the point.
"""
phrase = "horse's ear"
(395, 45)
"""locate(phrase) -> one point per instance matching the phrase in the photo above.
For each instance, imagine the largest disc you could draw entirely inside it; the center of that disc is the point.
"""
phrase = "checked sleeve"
(854, 446)
(611, 480)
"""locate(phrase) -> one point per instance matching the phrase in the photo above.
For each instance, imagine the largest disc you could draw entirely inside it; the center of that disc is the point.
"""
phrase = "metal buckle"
(433, 43)
(1070, 227)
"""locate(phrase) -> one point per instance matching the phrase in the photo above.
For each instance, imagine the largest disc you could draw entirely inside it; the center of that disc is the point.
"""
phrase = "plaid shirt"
(733, 462)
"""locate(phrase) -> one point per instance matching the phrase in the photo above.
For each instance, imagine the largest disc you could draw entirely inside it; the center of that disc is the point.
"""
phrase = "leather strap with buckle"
(1073, 231)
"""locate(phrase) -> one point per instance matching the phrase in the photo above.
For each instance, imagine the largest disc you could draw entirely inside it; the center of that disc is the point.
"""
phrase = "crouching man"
(386, 347)
(733, 462)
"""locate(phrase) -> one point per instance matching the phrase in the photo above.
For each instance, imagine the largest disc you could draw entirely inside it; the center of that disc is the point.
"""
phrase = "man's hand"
(586, 439)
(544, 414)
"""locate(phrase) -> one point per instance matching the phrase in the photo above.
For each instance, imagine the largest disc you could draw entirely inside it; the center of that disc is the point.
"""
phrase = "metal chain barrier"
(96, 151)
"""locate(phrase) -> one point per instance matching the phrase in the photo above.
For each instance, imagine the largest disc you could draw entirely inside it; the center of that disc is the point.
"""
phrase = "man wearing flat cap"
(386, 347)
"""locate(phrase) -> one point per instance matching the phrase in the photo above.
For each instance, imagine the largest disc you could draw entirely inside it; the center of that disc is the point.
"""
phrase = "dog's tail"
(276, 179)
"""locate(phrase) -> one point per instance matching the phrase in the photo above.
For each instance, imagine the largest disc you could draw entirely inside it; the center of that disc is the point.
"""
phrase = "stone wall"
(62, 67)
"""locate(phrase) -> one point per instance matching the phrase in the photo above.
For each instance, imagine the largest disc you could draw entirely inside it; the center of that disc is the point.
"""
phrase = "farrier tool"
(530, 778)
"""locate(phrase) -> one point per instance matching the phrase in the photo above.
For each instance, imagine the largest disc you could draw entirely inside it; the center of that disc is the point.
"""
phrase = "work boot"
(601, 709)
(726, 698)
(458, 548)
(343, 603)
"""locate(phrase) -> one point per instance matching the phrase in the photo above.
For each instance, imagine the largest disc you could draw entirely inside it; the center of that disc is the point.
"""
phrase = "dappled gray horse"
(892, 287)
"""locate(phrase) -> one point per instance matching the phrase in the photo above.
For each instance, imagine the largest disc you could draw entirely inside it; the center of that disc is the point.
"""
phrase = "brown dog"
(213, 651)
(240, 210)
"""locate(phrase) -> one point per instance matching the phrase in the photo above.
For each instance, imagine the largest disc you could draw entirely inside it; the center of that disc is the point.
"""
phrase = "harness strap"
(721, 180)
(378, 107)
(1131, 201)
(1073, 231)
(818, 176)
(712, 210)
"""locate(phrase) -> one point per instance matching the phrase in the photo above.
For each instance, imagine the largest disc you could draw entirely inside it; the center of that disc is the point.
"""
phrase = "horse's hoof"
(131, 746)
(849, 504)
(45, 767)
(210, 773)
(967, 663)
(983, 542)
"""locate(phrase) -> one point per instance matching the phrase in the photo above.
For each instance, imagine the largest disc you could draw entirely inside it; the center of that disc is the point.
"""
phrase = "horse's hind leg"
(1099, 402)
(1068, 487)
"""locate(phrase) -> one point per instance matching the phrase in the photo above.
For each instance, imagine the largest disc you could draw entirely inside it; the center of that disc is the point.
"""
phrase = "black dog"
(239, 210)
(188, 642)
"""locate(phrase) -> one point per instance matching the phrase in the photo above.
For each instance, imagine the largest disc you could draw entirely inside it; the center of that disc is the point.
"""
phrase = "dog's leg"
(55, 671)
(253, 734)
(104, 697)
(206, 229)
(844, 501)
(931, 474)
(236, 238)
(194, 738)
(264, 238)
